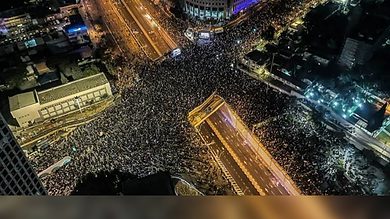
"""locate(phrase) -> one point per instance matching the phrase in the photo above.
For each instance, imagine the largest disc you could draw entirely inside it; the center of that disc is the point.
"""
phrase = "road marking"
(202, 113)
(236, 188)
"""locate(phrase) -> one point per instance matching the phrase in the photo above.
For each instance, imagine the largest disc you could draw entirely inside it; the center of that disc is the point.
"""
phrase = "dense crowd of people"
(148, 129)
(317, 159)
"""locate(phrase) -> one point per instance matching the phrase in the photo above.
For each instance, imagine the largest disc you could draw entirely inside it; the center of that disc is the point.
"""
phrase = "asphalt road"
(116, 27)
(234, 170)
(364, 140)
(132, 27)
(157, 43)
(225, 123)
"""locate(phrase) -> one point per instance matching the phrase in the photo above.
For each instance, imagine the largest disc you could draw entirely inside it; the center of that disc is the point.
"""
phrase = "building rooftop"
(257, 56)
(12, 12)
(71, 88)
(123, 183)
(42, 68)
(68, 2)
(367, 111)
(159, 183)
(354, 52)
(292, 79)
(22, 100)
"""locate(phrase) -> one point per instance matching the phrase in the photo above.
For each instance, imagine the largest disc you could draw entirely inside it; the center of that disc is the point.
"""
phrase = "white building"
(34, 106)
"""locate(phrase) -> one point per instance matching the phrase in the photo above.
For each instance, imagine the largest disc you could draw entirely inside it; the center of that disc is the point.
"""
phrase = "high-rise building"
(16, 174)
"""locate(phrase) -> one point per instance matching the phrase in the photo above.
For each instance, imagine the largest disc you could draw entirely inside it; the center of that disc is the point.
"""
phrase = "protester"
(149, 131)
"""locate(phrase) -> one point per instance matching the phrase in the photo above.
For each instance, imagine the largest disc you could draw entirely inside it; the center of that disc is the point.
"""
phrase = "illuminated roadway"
(247, 161)
(116, 26)
(131, 26)
(134, 29)
(153, 39)
(234, 170)
(242, 148)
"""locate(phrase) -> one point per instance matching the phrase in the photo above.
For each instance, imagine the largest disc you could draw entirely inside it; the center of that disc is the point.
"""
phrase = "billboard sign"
(204, 35)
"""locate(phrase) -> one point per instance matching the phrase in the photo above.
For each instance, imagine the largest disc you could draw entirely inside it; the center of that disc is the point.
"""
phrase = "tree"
(369, 155)
(269, 33)
(91, 70)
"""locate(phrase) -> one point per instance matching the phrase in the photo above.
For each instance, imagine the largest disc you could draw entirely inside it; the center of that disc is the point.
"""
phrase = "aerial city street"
(242, 97)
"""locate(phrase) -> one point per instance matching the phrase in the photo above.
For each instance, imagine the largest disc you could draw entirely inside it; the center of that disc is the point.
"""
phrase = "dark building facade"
(16, 174)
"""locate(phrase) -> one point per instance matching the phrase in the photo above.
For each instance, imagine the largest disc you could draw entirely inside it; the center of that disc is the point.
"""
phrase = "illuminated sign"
(204, 35)
(77, 29)
(30, 43)
(244, 5)
(176, 52)
(3, 27)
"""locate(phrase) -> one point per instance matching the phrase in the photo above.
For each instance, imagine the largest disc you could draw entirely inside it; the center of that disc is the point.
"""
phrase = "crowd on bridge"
(148, 129)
